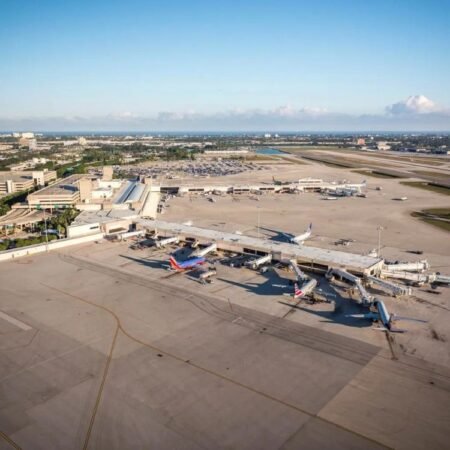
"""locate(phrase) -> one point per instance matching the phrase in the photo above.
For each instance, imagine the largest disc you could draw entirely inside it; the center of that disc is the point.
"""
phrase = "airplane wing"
(397, 330)
(363, 316)
(410, 319)
(288, 235)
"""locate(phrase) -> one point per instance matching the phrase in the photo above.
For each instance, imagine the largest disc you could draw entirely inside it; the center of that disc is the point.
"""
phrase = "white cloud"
(414, 104)
(290, 111)
(416, 113)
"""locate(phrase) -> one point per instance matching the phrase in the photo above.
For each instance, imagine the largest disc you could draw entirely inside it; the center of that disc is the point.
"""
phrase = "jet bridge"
(166, 241)
(204, 251)
(255, 263)
(389, 287)
(417, 278)
(343, 275)
(301, 276)
(419, 266)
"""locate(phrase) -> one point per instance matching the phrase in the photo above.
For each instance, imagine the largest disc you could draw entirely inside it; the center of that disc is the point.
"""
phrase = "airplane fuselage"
(301, 238)
(188, 264)
(383, 314)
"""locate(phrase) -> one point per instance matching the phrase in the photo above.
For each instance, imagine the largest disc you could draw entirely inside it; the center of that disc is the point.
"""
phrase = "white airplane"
(356, 185)
(347, 190)
(301, 237)
(383, 316)
(305, 289)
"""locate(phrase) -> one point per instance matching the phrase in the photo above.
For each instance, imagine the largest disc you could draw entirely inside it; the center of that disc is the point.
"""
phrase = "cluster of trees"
(24, 155)
(60, 221)
(9, 200)
(178, 153)
(106, 155)
(6, 244)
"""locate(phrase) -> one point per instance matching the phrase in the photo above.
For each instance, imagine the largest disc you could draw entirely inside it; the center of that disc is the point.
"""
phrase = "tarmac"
(115, 359)
(102, 348)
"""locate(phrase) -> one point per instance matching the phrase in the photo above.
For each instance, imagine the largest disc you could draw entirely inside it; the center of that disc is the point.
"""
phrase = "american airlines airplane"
(188, 264)
(384, 317)
(301, 237)
(305, 290)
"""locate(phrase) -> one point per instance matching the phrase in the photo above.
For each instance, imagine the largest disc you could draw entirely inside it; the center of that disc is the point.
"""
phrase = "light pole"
(380, 229)
(46, 232)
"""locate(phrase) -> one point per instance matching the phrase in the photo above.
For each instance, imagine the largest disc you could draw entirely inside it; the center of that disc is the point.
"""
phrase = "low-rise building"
(383, 146)
(12, 182)
(63, 194)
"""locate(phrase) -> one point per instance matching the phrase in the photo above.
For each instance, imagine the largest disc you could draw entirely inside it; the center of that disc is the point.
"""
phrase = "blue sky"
(179, 65)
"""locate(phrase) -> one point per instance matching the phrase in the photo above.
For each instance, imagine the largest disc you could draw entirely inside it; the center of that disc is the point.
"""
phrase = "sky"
(287, 65)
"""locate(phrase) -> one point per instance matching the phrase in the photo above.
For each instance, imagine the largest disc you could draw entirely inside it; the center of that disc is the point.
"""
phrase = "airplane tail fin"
(310, 227)
(297, 291)
(174, 264)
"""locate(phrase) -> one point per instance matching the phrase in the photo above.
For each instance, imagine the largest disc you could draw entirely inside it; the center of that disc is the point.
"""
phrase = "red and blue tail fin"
(174, 264)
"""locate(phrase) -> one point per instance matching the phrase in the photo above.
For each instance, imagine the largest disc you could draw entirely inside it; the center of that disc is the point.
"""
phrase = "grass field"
(375, 174)
(300, 148)
(427, 186)
(328, 162)
(376, 157)
(436, 175)
(293, 160)
(259, 158)
(433, 216)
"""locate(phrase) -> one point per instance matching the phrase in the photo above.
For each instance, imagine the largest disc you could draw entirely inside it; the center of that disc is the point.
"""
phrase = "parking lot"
(195, 169)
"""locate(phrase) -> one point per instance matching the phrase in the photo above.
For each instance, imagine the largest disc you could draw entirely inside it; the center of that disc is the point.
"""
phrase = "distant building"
(12, 182)
(360, 141)
(32, 144)
(82, 141)
(267, 135)
(383, 146)
(29, 164)
(70, 142)
(85, 188)
(108, 173)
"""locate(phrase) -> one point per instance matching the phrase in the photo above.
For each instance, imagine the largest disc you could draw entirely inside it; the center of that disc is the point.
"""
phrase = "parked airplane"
(384, 317)
(347, 190)
(305, 290)
(300, 238)
(188, 264)
(280, 183)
